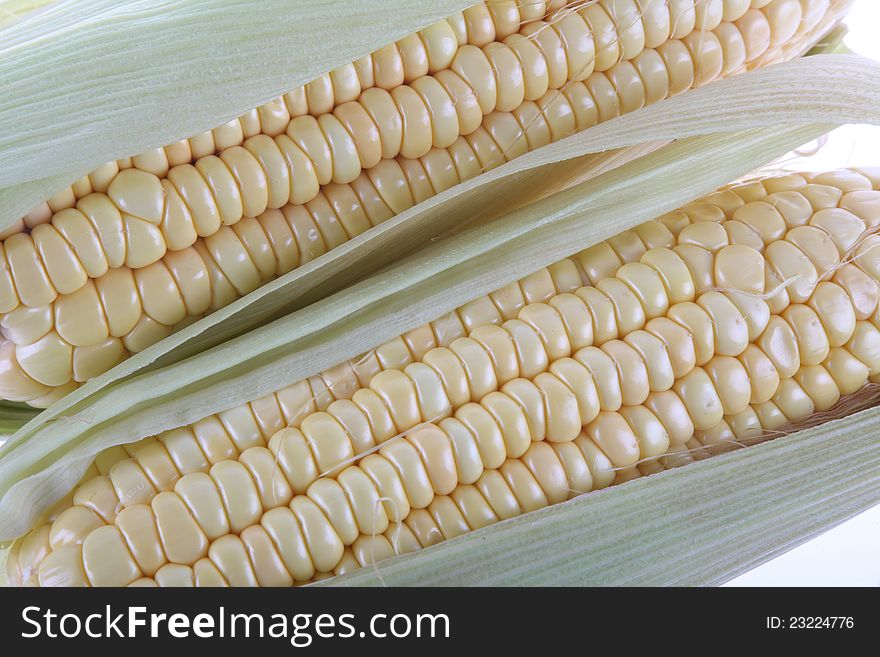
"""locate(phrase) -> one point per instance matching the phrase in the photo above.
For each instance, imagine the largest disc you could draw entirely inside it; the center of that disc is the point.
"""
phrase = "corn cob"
(153, 248)
(753, 308)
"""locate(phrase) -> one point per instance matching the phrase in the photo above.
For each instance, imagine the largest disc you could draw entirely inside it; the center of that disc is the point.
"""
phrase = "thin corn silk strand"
(867, 397)
(173, 300)
(793, 388)
(662, 536)
(694, 451)
(572, 8)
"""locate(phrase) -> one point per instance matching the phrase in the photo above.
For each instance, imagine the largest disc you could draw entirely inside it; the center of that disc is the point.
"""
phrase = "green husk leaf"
(45, 459)
(156, 72)
(841, 88)
(700, 525)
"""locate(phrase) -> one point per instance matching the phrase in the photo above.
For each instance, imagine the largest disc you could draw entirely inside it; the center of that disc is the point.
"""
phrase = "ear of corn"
(656, 166)
(151, 243)
(740, 314)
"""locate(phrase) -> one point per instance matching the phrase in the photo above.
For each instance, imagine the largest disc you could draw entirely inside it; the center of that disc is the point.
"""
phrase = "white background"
(849, 554)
